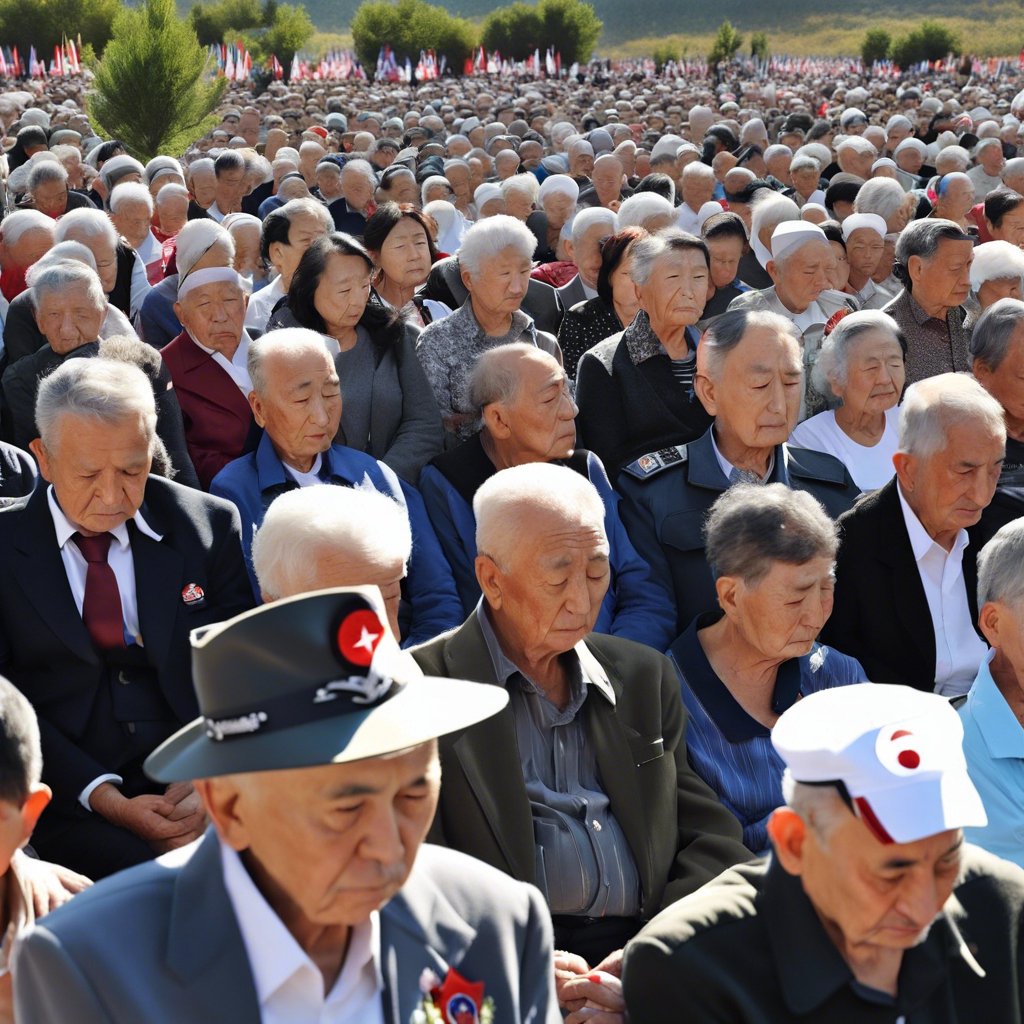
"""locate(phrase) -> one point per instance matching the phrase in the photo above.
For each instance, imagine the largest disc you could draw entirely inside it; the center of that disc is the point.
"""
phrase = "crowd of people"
(614, 481)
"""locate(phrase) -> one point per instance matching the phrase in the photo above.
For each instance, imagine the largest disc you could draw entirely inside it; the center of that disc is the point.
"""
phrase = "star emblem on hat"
(358, 636)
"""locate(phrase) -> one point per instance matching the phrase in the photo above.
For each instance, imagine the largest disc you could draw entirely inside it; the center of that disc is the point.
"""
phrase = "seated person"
(583, 786)
(772, 551)
(296, 399)
(750, 379)
(871, 907)
(528, 416)
(726, 239)
(208, 367)
(103, 574)
(906, 579)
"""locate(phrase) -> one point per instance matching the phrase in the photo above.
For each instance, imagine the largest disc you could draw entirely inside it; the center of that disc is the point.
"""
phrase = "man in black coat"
(98, 640)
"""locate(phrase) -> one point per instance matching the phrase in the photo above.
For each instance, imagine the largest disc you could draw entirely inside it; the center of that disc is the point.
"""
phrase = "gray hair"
(820, 807)
(699, 170)
(641, 207)
(303, 524)
(62, 274)
(508, 503)
(172, 190)
(805, 162)
(61, 252)
(306, 205)
(290, 341)
(496, 374)
(727, 331)
(85, 224)
(44, 172)
(922, 238)
(363, 167)
(768, 211)
(196, 239)
(646, 252)
(996, 261)
(931, 406)
(994, 332)
(588, 218)
(106, 390)
(525, 183)
(17, 224)
(1001, 566)
(130, 192)
(488, 238)
(833, 359)
(883, 196)
(435, 180)
(751, 527)
(955, 160)
(204, 165)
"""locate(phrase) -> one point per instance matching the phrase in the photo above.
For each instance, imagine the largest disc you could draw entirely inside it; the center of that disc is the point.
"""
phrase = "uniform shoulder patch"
(654, 462)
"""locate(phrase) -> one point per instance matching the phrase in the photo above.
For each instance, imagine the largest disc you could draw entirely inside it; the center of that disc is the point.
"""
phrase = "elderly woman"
(521, 193)
(612, 310)
(1004, 216)
(861, 364)
(635, 390)
(885, 198)
(954, 198)
(557, 197)
(997, 272)
(131, 210)
(726, 239)
(772, 551)
(933, 262)
(399, 241)
(648, 211)
(49, 193)
(495, 263)
(838, 272)
(388, 410)
(398, 185)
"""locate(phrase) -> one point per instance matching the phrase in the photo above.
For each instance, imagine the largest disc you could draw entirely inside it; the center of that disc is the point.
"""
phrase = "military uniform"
(666, 497)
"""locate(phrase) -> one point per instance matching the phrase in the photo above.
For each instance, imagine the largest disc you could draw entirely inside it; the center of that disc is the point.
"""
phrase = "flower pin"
(452, 1001)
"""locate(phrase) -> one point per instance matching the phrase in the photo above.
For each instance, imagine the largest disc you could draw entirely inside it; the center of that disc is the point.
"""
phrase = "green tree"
(151, 87)
(929, 41)
(727, 42)
(212, 21)
(875, 46)
(289, 32)
(516, 31)
(663, 54)
(408, 27)
(44, 23)
(759, 45)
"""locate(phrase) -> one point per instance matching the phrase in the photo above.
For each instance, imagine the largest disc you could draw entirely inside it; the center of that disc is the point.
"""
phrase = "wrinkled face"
(1006, 384)
(958, 199)
(214, 314)
(896, 135)
(542, 418)
(558, 207)
(33, 245)
(69, 318)
(726, 254)
(864, 250)
(105, 255)
(999, 288)
(518, 204)
(303, 230)
(458, 178)
(172, 214)
(607, 178)
(357, 189)
(677, 289)
(51, 198)
(405, 255)
(859, 163)
(875, 895)
(328, 180)
(992, 160)
(901, 218)
(1011, 227)
(405, 190)
(301, 406)
(757, 396)
(697, 190)
(884, 269)
(782, 614)
(330, 845)
(839, 272)
(588, 253)
(437, 191)
(132, 221)
(501, 283)
(945, 279)
(581, 162)
(875, 373)
(803, 274)
(98, 470)
(909, 160)
(341, 295)
(229, 187)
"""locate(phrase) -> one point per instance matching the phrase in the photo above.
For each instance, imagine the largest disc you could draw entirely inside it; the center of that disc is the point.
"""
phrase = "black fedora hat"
(312, 680)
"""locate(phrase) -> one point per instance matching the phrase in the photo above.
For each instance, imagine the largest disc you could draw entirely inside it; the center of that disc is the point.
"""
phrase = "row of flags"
(482, 63)
(65, 62)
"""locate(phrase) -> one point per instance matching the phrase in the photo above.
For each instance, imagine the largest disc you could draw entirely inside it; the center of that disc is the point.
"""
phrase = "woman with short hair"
(1004, 216)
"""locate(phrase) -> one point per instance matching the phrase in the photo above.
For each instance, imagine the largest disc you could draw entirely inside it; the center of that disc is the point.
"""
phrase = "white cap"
(911, 143)
(208, 275)
(863, 220)
(883, 161)
(485, 193)
(793, 233)
(897, 752)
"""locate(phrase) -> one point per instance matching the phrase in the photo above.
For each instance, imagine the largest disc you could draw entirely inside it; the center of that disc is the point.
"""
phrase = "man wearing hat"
(864, 235)
(311, 897)
(871, 907)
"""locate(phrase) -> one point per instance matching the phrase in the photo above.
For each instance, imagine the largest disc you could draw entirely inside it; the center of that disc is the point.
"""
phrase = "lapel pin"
(192, 594)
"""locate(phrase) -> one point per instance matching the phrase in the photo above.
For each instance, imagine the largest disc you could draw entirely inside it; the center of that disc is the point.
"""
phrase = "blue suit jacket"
(635, 606)
(430, 602)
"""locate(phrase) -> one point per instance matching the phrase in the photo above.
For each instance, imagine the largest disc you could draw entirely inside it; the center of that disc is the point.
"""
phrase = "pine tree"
(151, 91)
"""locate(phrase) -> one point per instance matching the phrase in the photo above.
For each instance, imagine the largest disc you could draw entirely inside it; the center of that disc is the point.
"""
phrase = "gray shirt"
(355, 367)
(584, 863)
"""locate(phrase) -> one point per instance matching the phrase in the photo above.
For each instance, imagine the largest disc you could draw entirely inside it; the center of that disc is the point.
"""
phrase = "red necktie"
(101, 606)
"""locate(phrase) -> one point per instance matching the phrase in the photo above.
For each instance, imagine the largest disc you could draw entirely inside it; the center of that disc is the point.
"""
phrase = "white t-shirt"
(869, 467)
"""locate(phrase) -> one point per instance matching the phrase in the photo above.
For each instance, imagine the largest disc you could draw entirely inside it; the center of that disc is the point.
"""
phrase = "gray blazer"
(160, 943)
(571, 293)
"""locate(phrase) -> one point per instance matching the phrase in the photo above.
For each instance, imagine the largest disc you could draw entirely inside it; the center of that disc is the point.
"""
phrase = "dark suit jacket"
(45, 648)
(881, 615)
(680, 835)
(445, 285)
(218, 421)
(571, 293)
(18, 473)
(161, 943)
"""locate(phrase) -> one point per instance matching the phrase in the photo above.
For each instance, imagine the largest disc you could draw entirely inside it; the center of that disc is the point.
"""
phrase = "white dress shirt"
(120, 560)
(262, 303)
(289, 986)
(306, 479)
(958, 648)
(213, 210)
(235, 367)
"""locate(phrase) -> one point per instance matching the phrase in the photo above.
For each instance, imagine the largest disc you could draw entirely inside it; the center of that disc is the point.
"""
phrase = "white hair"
(289, 341)
(643, 206)
(43, 172)
(431, 182)
(818, 151)
(62, 251)
(883, 196)
(560, 183)
(363, 167)
(525, 183)
(59, 275)
(301, 525)
(952, 158)
(130, 192)
(996, 261)
(106, 390)
(488, 238)
(857, 143)
(821, 807)
(204, 165)
(698, 170)
(509, 502)
(172, 190)
(768, 211)
(16, 225)
(196, 239)
(85, 224)
(588, 218)
(1001, 566)
(804, 163)
(777, 150)
(833, 360)
(931, 406)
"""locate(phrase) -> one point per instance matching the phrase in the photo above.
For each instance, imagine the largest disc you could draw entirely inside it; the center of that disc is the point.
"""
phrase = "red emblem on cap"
(192, 593)
(910, 759)
(358, 636)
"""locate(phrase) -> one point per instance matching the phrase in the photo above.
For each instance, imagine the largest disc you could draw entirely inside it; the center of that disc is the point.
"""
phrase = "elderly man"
(296, 400)
(50, 193)
(312, 897)
(987, 175)
(70, 310)
(131, 210)
(608, 188)
(528, 416)
(871, 907)
(208, 367)
(202, 186)
(750, 379)
(696, 187)
(855, 155)
(358, 184)
(611, 825)
(933, 261)
(171, 205)
(590, 228)
(229, 176)
(495, 262)
(905, 578)
(25, 236)
(104, 573)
